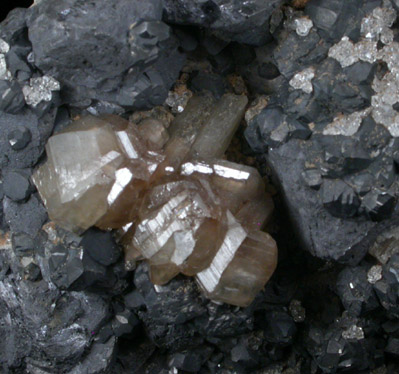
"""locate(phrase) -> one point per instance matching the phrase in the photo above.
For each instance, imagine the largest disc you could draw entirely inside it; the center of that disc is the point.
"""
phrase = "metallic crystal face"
(174, 203)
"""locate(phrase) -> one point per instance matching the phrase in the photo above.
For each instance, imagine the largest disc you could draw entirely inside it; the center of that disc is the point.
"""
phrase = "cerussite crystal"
(176, 203)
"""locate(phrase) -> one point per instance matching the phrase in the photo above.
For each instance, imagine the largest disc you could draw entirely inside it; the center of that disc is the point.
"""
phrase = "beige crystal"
(175, 202)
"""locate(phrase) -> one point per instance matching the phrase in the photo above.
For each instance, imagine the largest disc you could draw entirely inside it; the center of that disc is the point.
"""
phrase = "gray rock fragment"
(46, 331)
(244, 22)
(27, 217)
(39, 132)
(102, 59)
(342, 240)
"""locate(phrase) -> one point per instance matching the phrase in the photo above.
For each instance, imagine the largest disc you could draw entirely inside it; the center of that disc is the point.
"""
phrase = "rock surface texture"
(183, 209)
(331, 138)
(137, 101)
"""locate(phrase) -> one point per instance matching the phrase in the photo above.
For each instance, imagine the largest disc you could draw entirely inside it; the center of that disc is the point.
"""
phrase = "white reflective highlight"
(122, 179)
(127, 144)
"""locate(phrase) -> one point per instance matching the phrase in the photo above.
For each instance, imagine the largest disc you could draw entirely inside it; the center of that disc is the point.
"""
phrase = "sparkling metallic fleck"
(297, 311)
(353, 333)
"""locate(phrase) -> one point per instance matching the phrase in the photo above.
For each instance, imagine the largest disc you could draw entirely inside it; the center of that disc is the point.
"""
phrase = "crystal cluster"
(303, 80)
(374, 28)
(40, 89)
(175, 201)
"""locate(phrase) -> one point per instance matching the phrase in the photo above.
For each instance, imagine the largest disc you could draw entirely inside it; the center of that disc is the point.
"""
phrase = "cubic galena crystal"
(176, 203)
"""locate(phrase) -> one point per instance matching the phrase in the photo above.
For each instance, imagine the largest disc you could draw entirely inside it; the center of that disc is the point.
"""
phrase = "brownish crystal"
(174, 201)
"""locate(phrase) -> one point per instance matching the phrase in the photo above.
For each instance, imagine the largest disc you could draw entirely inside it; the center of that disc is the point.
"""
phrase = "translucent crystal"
(386, 95)
(4, 73)
(241, 187)
(242, 265)
(183, 132)
(386, 245)
(170, 221)
(387, 36)
(346, 125)
(303, 26)
(215, 136)
(154, 133)
(40, 89)
(389, 54)
(371, 27)
(344, 52)
(173, 202)
(385, 15)
(4, 46)
(93, 169)
(178, 101)
(366, 50)
(303, 80)
(377, 23)
(353, 333)
(374, 274)
(374, 27)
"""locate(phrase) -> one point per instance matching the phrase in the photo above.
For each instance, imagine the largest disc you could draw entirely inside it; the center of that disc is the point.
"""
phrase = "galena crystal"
(175, 201)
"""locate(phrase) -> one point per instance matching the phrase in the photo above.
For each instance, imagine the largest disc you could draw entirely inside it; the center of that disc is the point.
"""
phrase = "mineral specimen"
(176, 203)
(132, 62)
(344, 172)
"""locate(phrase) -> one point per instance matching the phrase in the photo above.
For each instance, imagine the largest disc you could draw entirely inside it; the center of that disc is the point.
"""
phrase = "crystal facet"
(303, 80)
(40, 89)
(173, 201)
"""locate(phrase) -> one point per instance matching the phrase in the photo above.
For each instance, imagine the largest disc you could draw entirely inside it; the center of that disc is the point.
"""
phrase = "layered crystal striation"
(95, 172)
(173, 199)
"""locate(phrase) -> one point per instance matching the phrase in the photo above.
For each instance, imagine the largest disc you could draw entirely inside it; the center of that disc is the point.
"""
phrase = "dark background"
(8, 5)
